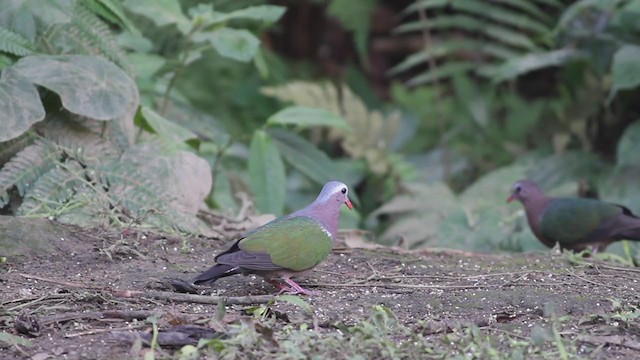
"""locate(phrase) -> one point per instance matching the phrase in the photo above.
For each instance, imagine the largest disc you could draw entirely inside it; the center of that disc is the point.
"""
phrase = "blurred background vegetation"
(428, 109)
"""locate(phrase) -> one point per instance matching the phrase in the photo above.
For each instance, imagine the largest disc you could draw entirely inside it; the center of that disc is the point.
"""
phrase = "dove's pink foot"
(297, 289)
(283, 288)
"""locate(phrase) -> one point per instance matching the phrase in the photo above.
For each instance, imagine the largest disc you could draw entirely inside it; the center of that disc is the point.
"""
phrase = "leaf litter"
(373, 302)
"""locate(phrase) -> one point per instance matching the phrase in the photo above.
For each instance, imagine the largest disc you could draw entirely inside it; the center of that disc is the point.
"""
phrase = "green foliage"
(30, 18)
(596, 32)
(431, 215)
(266, 174)
(12, 340)
(494, 32)
(625, 70)
(628, 151)
(25, 167)
(305, 117)
(356, 17)
(304, 155)
(87, 85)
(82, 167)
(15, 89)
(14, 44)
(369, 134)
(136, 111)
(110, 10)
(86, 33)
(166, 130)
(379, 335)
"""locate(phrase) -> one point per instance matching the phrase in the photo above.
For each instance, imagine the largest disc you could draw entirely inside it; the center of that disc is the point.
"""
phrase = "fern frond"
(98, 35)
(111, 11)
(15, 44)
(494, 32)
(87, 34)
(9, 148)
(25, 167)
(52, 190)
(371, 133)
(473, 26)
(500, 14)
(79, 138)
(144, 199)
(115, 193)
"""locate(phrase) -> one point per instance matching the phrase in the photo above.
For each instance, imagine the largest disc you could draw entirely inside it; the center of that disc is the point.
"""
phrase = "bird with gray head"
(287, 246)
(574, 223)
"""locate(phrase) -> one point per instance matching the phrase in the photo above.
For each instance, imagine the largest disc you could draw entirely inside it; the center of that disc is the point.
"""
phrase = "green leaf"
(493, 188)
(500, 14)
(530, 62)
(344, 10)
(473, 24)
(223, 198)
(146, 65)
(625, 69)
(20, 105)
(265, 13)
(621, 187)
(568, 166)
(306, 116)
(31, 17)
(446, 70)
(426, 5)
(161, 12)
(484, 10)
(12, 340)
(526, 6)
(628, 152)
(304, 156)
(5, 61)
(235, 44)
(581, 7)
(14, 43)
(88, 85)
(136, 42)
(266, 174)
(435, 52)
(166, 129)
(297, 301)
(113, 11)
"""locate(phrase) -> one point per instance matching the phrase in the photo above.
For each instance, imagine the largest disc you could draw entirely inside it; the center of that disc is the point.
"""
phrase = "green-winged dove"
(287, 246)
(574, 223)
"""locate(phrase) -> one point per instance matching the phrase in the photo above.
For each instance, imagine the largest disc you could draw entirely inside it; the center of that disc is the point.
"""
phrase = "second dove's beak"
(349, 204)
(511, 198)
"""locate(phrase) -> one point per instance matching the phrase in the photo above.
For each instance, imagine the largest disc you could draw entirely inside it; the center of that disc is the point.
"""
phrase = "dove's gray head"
(334, 192)
(326, 207)
(525, 190)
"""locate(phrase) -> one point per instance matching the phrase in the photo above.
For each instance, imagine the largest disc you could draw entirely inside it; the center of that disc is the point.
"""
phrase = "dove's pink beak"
(349, 204)
(511, 198)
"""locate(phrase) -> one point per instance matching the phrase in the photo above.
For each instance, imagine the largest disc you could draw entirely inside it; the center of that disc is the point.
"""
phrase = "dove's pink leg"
(283, 288)
(299, 289)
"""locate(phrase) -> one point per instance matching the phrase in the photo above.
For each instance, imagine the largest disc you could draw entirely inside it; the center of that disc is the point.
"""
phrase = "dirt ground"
(93, 295)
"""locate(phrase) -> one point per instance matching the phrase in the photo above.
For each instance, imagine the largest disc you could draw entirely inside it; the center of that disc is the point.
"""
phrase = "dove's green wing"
(572, 221)
(294, 243)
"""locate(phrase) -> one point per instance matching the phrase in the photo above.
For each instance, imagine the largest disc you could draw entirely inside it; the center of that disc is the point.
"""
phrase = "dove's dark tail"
(214, 273)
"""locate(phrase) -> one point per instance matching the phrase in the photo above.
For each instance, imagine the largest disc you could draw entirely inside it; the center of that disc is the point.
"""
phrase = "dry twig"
(200, 299)
(59, 282)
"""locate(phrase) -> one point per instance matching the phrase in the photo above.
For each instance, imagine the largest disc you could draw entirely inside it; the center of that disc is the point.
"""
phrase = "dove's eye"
(344, 190)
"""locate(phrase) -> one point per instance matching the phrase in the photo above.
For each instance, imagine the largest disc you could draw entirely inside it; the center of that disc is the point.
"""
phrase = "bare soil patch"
(90, 299)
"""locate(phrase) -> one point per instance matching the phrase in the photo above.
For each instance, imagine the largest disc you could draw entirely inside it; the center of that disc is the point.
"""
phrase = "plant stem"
(216, 165)
(179, 69)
